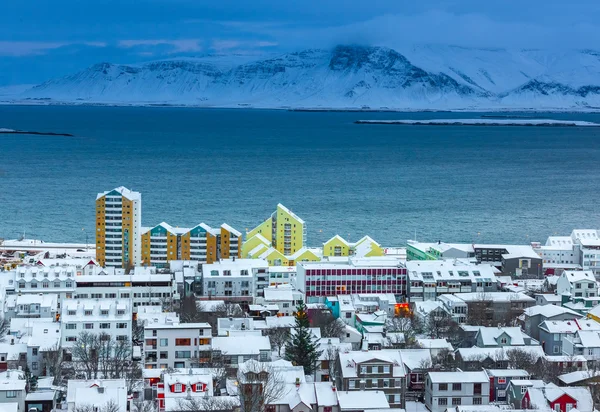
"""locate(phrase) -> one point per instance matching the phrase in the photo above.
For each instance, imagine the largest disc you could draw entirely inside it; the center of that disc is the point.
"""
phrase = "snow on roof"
(123, 191)
(578, 376)
(436, 270)
(565, 358)
(494, 296)
(325, 393)
(549, 311)
(589, 338)
(507, 372)
(464, 377)
(339, 238)
(579, 275)
(416, 358)
(560, 242)
(231, 230)
(285, 209)
(434, 344)
(279, 293)
(189, 377)
(426, 307)
(40, 396)
(358, 400)
(252, 344)
(474, 353)
(45, 335)
(280, 321)
(568, 326)
(350, 360)
(73, 386)
(234, 267)
(12, 380)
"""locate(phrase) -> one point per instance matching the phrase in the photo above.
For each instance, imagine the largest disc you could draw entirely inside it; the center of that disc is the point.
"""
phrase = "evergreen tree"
(302, 349)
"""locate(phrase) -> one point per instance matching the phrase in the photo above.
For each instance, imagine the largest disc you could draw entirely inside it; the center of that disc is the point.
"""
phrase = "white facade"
(234, 279)
(577, 284)
(587, 245)
(41, 305)
(284, 297)
(444, 390)
(39, 279)
(170, 345)
(146, 289)
(97, 316)
(96, 394)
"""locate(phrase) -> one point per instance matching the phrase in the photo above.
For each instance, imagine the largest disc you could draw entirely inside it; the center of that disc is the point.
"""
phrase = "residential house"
(235, 280)
(327, 362)
(500, 379)
(284, 296)
(577, 284)
(12, 388)
(548, 299)
(553, 332)
(39, 305)
(176, 345)
(496, 337)
(473, 359)
(561, 399)
(517, 388)
(445, 389)
(532, 317)
(97, 394)
(417, 363)
(228, 348)
(583, 342)
(177, 388)
(381, 370)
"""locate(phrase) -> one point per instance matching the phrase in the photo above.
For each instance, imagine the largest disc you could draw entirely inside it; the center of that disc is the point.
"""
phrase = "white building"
(446, 389)
(97, 316)
(587, 246)
(145, 289)
(41, 305)
(577, 284)
(235, 279)
(12, 388)
(284, 297)
(53, 279)
(176, 345)
(178, 388)
(430, 278)
(234, 352)
(97, 395)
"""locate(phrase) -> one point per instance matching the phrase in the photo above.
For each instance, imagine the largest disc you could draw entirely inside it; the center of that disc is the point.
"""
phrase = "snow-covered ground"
(486, 122)
(346, 77)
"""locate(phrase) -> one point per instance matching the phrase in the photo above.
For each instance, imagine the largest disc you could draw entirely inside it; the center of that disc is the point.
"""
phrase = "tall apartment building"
(285, 231)
(164, 243)
(118, 224)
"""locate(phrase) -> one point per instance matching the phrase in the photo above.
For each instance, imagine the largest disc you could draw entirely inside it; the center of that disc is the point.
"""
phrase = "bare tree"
(228, 310)
(188, 310)
(4, 328)
(520, 359)
(133, 377)
(444, 360)
(409, 326)
(260, 384)
(330, 326)
(278, 336)
(331, 356)
(207, 403)
(108, 406)
(137, 332)
(86, 354)
(140, 405)
(54, 363)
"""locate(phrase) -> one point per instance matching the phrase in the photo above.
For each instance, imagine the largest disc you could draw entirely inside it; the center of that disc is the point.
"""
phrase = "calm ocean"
(486, 184)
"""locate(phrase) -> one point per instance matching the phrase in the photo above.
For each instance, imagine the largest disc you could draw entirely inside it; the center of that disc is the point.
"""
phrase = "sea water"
(391, 182)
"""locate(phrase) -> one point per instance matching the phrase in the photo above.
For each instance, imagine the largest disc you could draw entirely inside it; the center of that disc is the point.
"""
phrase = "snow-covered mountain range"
(420, 77)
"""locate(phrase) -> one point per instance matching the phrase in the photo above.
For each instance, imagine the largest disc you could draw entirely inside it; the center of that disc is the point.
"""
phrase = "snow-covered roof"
(434, 344)
(560, 242)
(549, 311)
(464, 377)
(123, 191)
(231, 230)
(578, 376)
(362, 400)
(416, 358)
(349, 361)
(579, 275)
(494, 297)
(559, 326)
(500, 373)
(589, 338)
(235, 267)
(278, 294)
(490, 335)
(473, 354)
(325, 393)
(252, 345)
(448, 270)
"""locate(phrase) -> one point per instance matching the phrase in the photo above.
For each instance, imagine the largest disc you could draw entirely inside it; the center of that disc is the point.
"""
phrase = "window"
(386, 369)
(164, 342)
(569, 406)
(71, 339)
(456, 387)
(443, 386)
(88, 326)
(69, 284)
(501, 381)
(164, 355)
(120, 312)
(557, 407)
(455, 401)
(351, 384)
(87, 313)
(71, 326)
(105, 326)
(121, 325)
(121, 337)
(523, 389)
(348, 315)
(34, 351)
(476, 401)
(34, 366)
(183, 342)
(11, 394)
(363, 370)
(183, 354)
(443, 401)
(178, 388)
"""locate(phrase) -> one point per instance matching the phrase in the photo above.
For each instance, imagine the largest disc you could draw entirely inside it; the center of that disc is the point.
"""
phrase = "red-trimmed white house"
(177, 387)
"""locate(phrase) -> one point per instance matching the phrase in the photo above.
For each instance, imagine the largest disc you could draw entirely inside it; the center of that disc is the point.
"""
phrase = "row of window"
(74, 338)
(457, 401)
(375, 383)
(88, 312)
(45, 284)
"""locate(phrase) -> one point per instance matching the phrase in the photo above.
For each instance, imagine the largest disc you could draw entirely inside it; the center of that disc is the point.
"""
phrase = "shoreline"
(242, 106)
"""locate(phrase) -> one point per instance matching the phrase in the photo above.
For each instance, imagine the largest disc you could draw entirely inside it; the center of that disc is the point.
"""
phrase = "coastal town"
(165, 318)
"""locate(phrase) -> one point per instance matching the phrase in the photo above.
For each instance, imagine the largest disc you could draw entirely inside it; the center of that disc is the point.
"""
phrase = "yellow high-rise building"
(284, 230)
(118, 225)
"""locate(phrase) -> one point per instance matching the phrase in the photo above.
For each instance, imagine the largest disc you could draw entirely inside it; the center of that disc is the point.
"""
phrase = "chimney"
(297, 382)
(333, 388)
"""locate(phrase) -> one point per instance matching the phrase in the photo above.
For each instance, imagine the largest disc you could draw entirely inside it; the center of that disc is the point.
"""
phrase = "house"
(456, 307)
(492, 308)
(497, 337)
(492, 358)
(435, 346)
(38, 305)
(178, 387)
(235, 280)
(548, 299)
(577, 284)
(583, 342)
(12, 388)
(45, 397)
(416, 364)
(284, 296)
(564, 363)
(500, 379)
(176, 345)
(444, 389)
(517, 388)
(513, 260)
(561, 399)
(580, 378)
(532, 317)
(237, 349)
(553, 332)
(375, 401)
(104, 395)
(330, 349)
(380, 370)
(13, 354)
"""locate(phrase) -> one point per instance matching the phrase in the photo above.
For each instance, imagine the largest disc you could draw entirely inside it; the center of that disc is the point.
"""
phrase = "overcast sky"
(41, 39)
